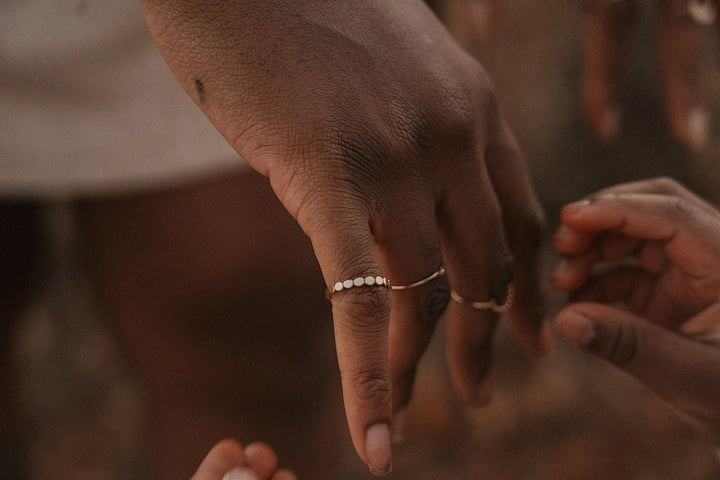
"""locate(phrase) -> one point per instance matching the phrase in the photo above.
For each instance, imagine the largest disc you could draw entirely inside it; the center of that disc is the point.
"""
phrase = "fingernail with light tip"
(561, 232)
(240, 474)
(399, 425)
(697, 129)
(575, 207)
(378, 450)
(575, 327)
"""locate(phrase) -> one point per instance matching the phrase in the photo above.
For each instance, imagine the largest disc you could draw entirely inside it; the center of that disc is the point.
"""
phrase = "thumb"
(685, 372)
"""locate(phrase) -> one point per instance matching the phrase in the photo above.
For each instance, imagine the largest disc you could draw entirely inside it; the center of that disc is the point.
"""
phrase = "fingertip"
(575, 327)
(378, 449)
(697, 129)
(261, 458)
(399, 425)
(284, 475)
(574, 208)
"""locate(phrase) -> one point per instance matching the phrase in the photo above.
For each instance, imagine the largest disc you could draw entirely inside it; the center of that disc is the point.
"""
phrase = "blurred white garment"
(88, 106)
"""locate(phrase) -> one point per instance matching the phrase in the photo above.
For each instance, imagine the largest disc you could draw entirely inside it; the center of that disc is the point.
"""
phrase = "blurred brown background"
(562, 417)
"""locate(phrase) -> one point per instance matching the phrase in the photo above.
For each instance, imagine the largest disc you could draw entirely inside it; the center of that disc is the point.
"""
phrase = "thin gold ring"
(437, 273)
(379, 281)
(490, 304)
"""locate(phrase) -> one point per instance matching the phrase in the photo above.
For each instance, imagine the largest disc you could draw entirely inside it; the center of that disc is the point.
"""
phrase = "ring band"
(369, 281)
(437, 273)
(380, 281)
(490, 304)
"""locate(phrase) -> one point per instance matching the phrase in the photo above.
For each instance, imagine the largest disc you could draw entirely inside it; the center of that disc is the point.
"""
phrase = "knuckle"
(366, 309)
(680, 209)
(664, 185)
(527, 233)
(372, 387)
(433, 300)
(623, 346)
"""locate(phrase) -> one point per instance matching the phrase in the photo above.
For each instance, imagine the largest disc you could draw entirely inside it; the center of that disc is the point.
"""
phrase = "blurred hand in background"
(642, 262)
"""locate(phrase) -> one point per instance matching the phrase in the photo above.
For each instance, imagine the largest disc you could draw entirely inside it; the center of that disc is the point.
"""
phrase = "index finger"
(689, 234)
(345, 249)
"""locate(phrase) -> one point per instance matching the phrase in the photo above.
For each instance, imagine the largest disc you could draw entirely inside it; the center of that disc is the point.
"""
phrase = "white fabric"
(88, 105)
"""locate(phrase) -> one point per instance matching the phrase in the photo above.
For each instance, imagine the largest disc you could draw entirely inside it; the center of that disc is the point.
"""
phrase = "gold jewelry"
(437, 273)
(490, 304)
(379, 281)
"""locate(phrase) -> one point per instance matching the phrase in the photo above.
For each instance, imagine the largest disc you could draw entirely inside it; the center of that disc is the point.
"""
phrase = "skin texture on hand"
(661, 248)
(383, 139)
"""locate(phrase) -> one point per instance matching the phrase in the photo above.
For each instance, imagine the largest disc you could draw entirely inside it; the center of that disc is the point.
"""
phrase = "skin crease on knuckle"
(364, 310)
(619, 346)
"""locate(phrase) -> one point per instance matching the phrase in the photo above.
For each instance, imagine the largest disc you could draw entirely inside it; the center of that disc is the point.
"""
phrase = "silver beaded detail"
(367, 281)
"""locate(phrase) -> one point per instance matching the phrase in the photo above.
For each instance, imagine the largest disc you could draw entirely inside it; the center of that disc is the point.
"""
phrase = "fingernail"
(399, 425)
(378, 450)
(240, 474)
(562, 231)
(609, 124)
(575, 206)
(576, 328)
(697, 129)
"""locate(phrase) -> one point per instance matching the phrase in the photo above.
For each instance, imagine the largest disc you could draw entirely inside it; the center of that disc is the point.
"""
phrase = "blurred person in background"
(607, 37)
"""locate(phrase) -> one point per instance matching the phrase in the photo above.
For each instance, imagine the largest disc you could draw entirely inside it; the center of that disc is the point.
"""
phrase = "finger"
(262, 459)
(572, 272)
(661, 186)
(479, 268)
(224, 457)
(681, 48)
(570, 241)
(626, 284)
(705, 326)
(606, 30)
(482, 14)
(684, 372)
(409, 251)
(688, 234)
(523, 224)
(284, 475)
(345, 249)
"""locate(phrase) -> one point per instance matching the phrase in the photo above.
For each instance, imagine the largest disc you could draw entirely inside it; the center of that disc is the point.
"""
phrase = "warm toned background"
(563, 417)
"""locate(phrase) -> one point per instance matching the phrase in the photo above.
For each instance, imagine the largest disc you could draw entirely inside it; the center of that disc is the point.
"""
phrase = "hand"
(607, 28)
(662, 240)
(383, 139)
(228, 460)
(668, 243)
